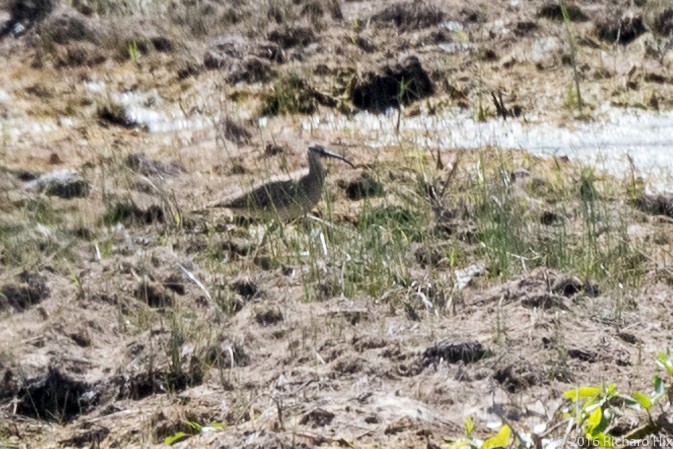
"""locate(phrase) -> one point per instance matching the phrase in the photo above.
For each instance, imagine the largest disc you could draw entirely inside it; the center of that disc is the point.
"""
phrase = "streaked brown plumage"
(286, 199)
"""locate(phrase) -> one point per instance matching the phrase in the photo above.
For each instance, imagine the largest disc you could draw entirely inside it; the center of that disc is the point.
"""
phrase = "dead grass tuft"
(409, 16)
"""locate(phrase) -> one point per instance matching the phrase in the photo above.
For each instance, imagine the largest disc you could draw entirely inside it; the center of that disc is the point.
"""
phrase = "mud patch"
(153, 294)
(623, 30)
(663, 22)
(553, 11)
(362, 187)
(129, 213)
(292, 36)
(392, 86)
(55, 396)
(31, 289)
(26, 13)
(450, 351)
(67, 26)
(656, 204)
(115, 114)
(248, 290)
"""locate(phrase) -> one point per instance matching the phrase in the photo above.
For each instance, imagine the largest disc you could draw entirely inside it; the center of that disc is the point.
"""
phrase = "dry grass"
(192, 317)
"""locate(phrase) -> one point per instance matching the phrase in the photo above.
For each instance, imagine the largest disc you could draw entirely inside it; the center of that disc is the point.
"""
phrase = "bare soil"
(128, 310)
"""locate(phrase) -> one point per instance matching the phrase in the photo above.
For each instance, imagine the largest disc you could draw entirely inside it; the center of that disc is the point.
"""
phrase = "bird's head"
(321, 151)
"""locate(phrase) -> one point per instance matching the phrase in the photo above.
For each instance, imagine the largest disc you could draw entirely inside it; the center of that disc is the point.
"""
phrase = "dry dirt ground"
(128, 310)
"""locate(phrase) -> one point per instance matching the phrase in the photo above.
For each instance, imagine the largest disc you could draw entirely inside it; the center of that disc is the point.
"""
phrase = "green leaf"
(659, 387)
(178, 436)
(469, 426)
(500, 440)
(194, 425)
(664, 361)
(594, 419)
(643, 400)
(582, 393)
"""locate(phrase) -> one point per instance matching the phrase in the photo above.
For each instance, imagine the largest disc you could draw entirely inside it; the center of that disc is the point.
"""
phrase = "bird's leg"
(268, 241)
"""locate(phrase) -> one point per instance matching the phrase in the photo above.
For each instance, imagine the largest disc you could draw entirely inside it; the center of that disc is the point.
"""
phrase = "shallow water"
(606, 142)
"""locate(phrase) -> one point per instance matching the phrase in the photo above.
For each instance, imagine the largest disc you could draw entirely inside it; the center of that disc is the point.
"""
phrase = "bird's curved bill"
(328, 153)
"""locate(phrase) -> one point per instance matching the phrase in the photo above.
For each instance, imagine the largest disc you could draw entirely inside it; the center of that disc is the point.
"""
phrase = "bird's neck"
(315, 168)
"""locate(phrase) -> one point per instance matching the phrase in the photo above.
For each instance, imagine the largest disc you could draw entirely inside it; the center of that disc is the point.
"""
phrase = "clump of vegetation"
(590, 417)
(412, 15)
(115, 113)
(290, 94)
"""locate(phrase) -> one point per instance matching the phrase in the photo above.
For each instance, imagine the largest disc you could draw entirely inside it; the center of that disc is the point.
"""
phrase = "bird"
(287, 199)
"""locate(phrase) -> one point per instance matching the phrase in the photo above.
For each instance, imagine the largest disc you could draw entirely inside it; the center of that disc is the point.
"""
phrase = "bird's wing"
(276, 194)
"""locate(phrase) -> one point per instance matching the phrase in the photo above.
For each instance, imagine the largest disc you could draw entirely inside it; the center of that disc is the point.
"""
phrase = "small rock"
(63, 183)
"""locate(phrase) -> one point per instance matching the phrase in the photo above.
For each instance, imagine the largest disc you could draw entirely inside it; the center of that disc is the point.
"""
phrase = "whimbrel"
(289, 199)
